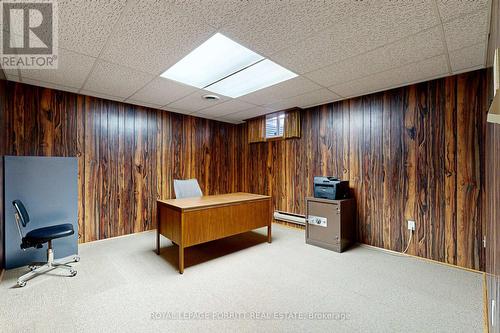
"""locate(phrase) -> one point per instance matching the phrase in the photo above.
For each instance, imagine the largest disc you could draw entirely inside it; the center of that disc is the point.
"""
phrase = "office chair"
(36, 238)
(188, 188)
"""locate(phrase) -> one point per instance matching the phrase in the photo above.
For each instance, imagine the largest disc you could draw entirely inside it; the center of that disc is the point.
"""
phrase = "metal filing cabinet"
(330, 223)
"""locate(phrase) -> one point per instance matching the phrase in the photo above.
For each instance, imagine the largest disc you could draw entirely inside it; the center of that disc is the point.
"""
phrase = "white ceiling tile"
(429, 68)
(360, 46)
(49, 85)
(375, 24)
(153, 35)
(467, 30)
(212, 12)
(470, 69)
(10, 72)
(174, 110)
(357, 87)
(293, 87)
(415, 72)
(268, 26)
(247, 114)
(195, 102)
(115, 80)
(468, 57)
(231, 106)
(162, 91)
(84, 26)
(281, 105)
(424, 70)
(149, 105)
(450, 9)
(101, 95)
(229, 121)
(204, 116)
(73, 69)
(317, 97)
(13, 78)
(414, 48)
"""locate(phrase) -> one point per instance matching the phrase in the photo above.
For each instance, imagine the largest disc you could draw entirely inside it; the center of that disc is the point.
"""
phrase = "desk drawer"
(205, 225)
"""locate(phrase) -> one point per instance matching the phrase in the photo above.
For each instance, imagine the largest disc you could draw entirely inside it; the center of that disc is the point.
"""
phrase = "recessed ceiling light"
(213, 60)
(211, 97)
(261, 75)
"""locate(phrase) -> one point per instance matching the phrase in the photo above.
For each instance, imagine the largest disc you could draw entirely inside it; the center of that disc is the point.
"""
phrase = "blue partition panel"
(48, 187)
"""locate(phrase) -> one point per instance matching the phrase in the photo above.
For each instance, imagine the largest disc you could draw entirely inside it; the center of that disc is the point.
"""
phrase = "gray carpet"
(270, 288)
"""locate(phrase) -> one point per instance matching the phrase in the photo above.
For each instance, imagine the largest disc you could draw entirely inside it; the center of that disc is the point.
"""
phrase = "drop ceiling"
(117, 49)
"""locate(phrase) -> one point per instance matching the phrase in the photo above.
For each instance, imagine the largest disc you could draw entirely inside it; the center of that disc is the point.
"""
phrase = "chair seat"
(43, 235)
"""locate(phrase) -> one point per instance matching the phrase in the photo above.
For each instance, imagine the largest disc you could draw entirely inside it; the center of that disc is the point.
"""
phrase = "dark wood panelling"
(127, 155)
(415, 152)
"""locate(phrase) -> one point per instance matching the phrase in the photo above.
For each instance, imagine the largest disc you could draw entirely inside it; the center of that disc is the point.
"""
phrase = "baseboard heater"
(289, 217)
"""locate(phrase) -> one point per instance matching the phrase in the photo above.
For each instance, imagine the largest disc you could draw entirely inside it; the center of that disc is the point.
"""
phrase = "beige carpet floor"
(123, 286)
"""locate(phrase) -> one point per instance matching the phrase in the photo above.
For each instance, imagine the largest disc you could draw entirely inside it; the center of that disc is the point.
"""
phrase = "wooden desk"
(192, 221)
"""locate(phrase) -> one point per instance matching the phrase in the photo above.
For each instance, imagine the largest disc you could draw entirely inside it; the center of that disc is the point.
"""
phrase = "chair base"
(42, 268)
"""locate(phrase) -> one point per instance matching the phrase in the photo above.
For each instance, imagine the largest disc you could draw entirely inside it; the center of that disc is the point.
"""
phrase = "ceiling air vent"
(211, 97)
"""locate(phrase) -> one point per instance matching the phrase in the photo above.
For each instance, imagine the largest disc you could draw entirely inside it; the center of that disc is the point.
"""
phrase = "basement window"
(274, 125)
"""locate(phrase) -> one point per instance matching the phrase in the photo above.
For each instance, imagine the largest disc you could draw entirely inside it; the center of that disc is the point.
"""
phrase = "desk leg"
(158, 230)
(158, 242)
(269, 237)
(181, 259)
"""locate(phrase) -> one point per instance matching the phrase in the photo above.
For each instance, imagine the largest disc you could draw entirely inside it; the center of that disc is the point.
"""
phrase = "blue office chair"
(36, 238)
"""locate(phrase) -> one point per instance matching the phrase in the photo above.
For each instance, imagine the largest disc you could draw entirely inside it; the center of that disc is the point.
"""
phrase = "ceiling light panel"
(213, 60)
(261, 75)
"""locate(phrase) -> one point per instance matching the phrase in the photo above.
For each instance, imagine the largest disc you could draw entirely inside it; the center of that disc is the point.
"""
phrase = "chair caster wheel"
(76, 259)
(32, 268)
(72, 273)
(21, 283)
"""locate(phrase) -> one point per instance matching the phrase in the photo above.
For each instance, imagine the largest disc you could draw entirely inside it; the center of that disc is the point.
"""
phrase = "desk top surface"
(213, 200)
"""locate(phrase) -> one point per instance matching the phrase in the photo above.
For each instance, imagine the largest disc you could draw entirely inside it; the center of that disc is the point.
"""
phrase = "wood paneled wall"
(415, 152)
(128, 155)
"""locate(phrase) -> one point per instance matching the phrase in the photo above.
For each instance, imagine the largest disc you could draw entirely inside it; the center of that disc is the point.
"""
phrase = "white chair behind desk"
(188, 188)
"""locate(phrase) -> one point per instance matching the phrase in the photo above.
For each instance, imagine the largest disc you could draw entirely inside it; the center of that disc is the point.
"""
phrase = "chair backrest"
(188, 188)
(21, 212)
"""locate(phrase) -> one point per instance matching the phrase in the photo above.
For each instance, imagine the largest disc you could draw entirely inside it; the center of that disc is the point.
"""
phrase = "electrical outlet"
(411, 225)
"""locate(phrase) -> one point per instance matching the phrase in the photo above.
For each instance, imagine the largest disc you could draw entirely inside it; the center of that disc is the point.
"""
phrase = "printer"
(331, 188)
